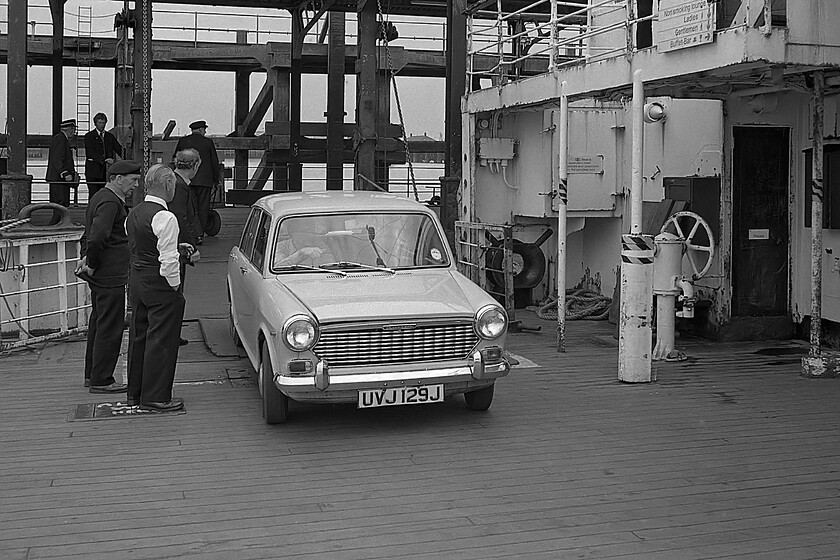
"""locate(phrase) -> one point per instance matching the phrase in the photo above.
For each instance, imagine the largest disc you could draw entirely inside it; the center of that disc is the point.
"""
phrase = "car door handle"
(243, 270)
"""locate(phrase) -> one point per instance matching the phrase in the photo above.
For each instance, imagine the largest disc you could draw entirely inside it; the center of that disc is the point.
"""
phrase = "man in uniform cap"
(101, 150)
(206, 177)
(61, 171)
(104, 265)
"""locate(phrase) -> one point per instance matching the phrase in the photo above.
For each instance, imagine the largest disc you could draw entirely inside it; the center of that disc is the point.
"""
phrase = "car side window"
(246, 244)
(261, 241)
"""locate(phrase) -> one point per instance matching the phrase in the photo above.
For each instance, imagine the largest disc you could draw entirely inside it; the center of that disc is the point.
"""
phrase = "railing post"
(552, 52)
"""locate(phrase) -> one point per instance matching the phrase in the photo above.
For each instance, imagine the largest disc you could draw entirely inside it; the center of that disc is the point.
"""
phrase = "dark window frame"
(831, 185)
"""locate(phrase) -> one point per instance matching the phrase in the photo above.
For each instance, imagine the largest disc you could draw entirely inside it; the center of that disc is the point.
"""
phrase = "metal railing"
(40, 298)
(484, 254)
(547, 35)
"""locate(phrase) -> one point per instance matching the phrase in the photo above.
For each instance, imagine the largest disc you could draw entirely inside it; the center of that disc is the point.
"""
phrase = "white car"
(354, 297)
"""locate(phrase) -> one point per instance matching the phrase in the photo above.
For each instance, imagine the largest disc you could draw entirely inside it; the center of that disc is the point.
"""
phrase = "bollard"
(634, 329)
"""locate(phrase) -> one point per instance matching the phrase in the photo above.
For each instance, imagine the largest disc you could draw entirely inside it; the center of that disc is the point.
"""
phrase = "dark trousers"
(201, 197)
(60, 194)
(154, 335)
(94, 184)
(107, 321)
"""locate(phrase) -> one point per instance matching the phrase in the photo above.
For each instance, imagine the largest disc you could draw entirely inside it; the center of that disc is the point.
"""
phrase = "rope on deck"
(580, 304)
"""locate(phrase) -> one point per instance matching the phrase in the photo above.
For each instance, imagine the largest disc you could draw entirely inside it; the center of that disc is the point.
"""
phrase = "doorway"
(760, 221)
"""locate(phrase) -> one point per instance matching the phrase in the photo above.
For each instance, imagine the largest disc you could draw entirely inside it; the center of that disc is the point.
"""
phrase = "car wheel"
(275, 403)
(480, 399)
(214, 223)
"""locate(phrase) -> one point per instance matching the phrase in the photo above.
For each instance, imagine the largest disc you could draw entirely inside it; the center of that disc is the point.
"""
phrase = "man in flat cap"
(101, 150)
(61, 170)
(104, 265)
(207, 176)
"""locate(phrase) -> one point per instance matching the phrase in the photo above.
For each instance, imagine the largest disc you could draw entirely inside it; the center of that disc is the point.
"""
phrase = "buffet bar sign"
(684, 24)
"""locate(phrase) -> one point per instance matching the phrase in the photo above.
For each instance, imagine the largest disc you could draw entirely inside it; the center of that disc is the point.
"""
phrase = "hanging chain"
(146, 32)
(393, 76)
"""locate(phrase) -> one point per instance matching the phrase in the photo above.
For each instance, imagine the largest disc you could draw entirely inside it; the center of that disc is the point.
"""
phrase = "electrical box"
(496, 148)
(702, 195)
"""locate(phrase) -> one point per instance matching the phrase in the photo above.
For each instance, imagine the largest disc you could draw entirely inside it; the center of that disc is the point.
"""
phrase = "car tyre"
(214, 223)
(480, 399)
(275, 403)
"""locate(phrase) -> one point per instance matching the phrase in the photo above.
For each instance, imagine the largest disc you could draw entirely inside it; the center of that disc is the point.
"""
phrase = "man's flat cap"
(198, 124)
(124, 167)
(67, 122)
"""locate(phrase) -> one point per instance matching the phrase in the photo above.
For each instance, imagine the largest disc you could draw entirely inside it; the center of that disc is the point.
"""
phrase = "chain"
(393, 76)
(146, 31)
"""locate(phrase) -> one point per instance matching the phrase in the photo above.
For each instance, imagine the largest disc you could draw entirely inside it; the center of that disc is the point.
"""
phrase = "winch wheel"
(684, 221)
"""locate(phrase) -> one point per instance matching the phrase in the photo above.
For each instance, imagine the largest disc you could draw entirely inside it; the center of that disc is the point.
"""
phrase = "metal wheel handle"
(690, 246)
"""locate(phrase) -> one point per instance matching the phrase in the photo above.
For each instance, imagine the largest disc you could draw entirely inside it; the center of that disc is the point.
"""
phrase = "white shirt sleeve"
(165, 228)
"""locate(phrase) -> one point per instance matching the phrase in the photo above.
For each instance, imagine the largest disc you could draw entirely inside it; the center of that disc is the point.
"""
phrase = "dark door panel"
(760, 230)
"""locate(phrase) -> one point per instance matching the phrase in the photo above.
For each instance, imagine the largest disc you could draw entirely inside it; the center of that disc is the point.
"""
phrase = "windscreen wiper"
(305, 267)
(350, 264)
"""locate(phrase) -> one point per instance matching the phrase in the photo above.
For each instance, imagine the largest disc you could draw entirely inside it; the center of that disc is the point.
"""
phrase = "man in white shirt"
(156, 301)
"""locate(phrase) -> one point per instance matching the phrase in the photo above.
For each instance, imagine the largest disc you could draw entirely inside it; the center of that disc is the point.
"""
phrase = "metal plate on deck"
(109, 410)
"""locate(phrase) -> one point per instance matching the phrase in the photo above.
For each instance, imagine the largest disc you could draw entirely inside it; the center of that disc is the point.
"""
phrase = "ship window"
(831, 186)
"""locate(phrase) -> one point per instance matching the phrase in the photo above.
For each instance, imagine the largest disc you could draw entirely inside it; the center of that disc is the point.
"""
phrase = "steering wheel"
(690, 248)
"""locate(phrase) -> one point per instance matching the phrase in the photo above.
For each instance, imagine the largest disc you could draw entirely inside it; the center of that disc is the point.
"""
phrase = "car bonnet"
(374, 295)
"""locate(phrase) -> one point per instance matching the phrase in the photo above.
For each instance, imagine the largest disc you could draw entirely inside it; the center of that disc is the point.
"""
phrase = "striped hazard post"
(634, 328)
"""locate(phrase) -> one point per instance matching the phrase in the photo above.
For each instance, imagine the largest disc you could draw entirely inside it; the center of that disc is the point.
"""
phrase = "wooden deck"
(729, 455)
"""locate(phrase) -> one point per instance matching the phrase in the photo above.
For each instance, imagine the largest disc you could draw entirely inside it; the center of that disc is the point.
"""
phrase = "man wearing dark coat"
(208, 174)
(157, 302)
(186, 165)
(61, 170)
(101, 150)
(104, 265)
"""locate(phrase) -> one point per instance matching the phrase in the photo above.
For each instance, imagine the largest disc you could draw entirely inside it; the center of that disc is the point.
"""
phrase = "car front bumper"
(334, 386)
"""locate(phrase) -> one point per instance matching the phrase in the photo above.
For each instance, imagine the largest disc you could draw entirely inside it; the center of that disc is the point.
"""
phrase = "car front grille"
(396, 344)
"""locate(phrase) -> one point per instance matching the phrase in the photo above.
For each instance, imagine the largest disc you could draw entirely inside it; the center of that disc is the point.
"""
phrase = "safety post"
(634, 325)
(817, 363)
(634, 328)
(667, 273)
(562, 131)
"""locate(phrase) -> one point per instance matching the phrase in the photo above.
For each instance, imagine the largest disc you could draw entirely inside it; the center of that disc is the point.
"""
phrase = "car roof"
(337, 201)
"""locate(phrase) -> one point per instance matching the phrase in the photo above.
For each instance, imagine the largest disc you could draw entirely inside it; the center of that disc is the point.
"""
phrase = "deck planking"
(728, 455)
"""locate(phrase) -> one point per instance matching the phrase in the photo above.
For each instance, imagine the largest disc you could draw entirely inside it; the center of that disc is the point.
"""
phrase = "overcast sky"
(186, 96)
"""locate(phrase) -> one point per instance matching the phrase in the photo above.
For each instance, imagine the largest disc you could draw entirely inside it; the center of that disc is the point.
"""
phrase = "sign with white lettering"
(682, 24)
(585, 164)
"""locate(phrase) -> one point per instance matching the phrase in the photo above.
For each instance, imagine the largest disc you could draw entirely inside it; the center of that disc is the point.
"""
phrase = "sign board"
(759, 234)
(585, 164)
(682, 24)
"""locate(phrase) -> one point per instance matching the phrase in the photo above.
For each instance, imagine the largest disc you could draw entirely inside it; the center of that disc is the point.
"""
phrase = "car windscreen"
(392, 241)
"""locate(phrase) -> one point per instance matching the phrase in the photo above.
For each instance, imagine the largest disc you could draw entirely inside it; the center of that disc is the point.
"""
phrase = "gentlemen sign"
(684, 24)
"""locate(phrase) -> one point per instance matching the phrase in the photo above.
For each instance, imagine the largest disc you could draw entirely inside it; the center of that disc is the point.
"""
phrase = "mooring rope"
(580, 304)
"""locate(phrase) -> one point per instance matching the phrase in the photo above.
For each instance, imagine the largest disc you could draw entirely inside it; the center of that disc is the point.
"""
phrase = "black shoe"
(87, 382)
(183, 342)
(112, 388)
(131, 401)
(168, 406)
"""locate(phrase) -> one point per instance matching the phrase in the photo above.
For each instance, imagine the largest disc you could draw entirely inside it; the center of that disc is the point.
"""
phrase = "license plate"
(393, 396)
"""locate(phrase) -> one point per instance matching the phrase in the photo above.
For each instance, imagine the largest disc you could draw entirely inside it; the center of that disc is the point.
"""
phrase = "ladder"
(84, 56)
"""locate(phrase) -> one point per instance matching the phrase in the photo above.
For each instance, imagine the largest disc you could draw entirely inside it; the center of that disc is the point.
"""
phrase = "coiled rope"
(580, 304)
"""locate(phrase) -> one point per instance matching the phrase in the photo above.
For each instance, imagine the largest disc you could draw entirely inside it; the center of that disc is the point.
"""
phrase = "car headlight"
(300, 333)
(490, 322)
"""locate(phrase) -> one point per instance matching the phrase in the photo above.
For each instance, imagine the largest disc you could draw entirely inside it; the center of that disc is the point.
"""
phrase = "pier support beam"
(456, 87)
(57, 13)
(123, 82)
(366, 96)
(335, 101)
(242, 100)
(17, 184)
